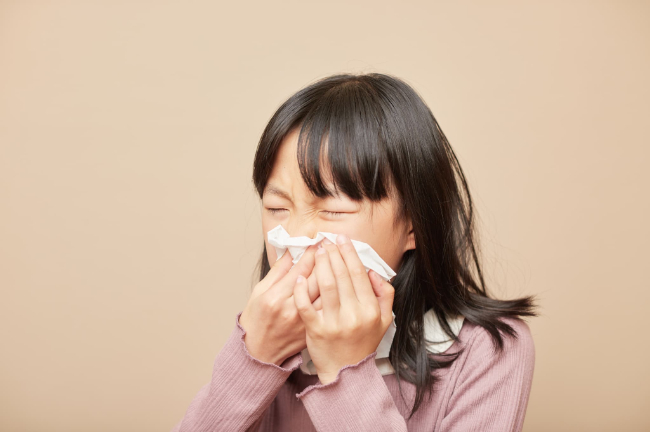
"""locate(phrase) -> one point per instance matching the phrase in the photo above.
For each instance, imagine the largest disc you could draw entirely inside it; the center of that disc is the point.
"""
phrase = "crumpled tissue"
(280, 238)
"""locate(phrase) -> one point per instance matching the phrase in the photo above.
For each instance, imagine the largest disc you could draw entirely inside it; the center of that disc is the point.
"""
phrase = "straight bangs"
(344, 127)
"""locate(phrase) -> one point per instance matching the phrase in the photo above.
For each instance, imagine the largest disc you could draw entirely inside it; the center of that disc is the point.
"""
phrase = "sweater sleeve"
(357, 400)
(241, 389)
(492, 388)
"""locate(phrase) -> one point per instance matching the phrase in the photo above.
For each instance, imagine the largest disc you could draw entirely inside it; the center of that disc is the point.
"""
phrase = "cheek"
(391, 258)
(385, 247)
(270, 250)
(271, 255)
(382, 251)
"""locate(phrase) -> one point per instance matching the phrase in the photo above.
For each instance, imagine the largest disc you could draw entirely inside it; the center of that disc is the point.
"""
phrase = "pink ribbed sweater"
(481, 391)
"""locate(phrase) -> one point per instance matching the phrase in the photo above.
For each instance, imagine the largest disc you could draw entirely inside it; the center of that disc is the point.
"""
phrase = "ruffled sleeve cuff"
(357, 399)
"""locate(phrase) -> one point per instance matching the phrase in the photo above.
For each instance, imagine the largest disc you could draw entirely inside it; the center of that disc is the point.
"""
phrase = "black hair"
(382, 139)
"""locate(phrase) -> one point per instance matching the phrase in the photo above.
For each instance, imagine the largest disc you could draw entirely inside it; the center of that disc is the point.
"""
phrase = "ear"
(410, 240)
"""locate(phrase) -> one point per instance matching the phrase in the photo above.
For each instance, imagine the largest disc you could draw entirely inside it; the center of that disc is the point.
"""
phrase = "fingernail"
(320, 251)
(341, 238)
(300, 279)
(327, 241)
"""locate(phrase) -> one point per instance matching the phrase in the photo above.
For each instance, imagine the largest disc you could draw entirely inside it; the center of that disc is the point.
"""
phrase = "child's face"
(303, 214)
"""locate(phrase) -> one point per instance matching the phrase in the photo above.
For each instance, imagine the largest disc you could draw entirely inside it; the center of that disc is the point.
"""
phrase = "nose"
(298, 228)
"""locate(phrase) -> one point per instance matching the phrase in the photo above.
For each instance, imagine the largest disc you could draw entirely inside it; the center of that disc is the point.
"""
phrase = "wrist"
(326, 378)
(256, 353)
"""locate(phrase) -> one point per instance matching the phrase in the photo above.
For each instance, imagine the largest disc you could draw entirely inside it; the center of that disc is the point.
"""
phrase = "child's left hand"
(356, 309)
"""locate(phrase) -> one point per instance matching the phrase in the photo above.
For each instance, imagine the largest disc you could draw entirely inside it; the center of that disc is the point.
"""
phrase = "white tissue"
(280, 239)
(433, 332)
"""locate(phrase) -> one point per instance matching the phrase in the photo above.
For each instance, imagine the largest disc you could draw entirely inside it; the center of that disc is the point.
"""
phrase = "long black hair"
(383, 140)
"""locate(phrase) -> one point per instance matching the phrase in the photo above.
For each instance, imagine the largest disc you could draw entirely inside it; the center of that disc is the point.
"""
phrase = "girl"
(363, 157)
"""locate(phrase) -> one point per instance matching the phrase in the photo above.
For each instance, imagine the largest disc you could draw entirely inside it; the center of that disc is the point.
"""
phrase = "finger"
(314, 292)
(358, 273)
(303, 304)
(329, 292)
(385, 294)
(278, 270)
(340, 270)
(318, 304)
(304, 266)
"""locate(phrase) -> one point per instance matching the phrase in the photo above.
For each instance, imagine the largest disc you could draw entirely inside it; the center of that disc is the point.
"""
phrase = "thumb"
(385, 293)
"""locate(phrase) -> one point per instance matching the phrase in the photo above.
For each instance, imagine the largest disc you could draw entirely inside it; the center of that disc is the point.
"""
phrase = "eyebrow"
(274, 190)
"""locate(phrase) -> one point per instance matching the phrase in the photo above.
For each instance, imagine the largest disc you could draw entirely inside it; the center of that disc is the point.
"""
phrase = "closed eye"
(334, 214)
(278, 210)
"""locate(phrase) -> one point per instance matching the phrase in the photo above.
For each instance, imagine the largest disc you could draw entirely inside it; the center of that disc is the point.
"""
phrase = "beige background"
(129, 228)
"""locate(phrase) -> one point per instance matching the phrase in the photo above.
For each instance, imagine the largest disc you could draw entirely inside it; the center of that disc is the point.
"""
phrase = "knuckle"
(288, 315)
(273, 305)
(328, 285)
(304, 268)
(352, 328)
(374, 315)
(358, 271)
(354, 324)
(333, 333)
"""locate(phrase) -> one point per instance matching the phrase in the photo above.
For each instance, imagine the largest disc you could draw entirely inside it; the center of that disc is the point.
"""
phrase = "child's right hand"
(274, 329)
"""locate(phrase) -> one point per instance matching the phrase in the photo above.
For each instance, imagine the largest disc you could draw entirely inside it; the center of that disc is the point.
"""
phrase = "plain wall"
(129, 228)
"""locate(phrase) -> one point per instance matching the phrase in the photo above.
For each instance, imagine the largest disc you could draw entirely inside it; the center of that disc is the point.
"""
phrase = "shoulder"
(478, 338)
(489, 388)
(479, 347)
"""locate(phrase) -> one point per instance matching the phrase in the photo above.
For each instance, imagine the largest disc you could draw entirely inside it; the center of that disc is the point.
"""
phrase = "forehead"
(285, 177)
(285, 165)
